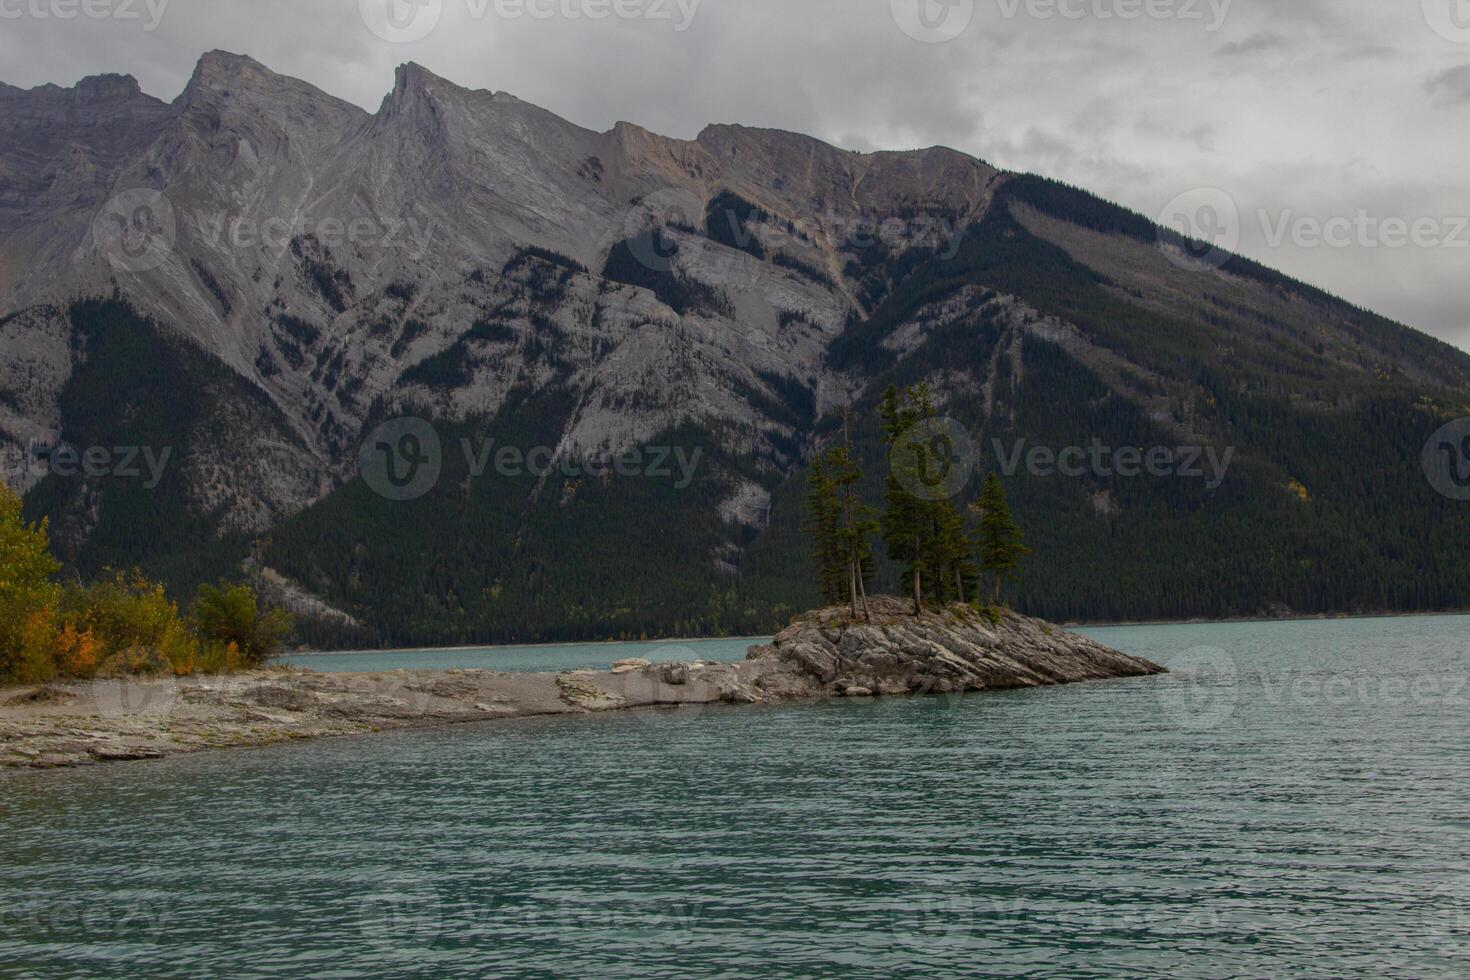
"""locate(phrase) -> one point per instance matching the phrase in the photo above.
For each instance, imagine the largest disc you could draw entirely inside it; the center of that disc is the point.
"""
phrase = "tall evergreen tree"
(904, 523)
(923, 529)
(955, 574)
(1000, 545)
(857, 521)
(823, 512)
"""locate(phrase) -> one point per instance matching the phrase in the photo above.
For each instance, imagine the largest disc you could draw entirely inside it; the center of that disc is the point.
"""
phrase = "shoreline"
(468, 648)
(675, 641)
(1237, 620)
(821, 656)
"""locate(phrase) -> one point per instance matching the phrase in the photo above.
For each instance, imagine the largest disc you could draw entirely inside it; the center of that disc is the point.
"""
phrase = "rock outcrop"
(952, 649)
(821, 655)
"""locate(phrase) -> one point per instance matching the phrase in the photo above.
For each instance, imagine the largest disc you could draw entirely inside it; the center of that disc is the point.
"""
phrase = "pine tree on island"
(954, 556)
(857, 522)
(822, 513)
(922, 529)
(842, 526)
(903, 522)
(999, 543)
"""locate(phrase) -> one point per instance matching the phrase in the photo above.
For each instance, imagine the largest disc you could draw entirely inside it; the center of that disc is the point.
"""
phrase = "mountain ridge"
(469, 258)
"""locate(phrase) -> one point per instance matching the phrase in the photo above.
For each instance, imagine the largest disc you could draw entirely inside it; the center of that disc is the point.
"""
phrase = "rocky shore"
(821, 655)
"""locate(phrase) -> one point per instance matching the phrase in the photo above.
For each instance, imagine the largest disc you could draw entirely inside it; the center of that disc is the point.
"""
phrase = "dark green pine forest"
(1324, 508)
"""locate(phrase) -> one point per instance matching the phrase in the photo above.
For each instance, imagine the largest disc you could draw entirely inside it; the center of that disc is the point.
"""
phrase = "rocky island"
(823, 654)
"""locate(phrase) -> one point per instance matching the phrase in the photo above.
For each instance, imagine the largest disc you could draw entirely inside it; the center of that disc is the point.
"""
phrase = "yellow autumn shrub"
(122, 624)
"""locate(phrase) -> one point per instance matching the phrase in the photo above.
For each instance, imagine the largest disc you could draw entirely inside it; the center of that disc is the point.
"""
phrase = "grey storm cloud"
(1255, 44)
(1300, 110)
(1450, 87)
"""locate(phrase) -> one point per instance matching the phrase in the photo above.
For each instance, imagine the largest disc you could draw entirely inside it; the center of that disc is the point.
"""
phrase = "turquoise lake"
(1295, 800)
(559, 656)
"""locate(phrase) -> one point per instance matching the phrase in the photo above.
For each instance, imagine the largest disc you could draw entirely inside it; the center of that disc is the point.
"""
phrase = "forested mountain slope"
(257, 276)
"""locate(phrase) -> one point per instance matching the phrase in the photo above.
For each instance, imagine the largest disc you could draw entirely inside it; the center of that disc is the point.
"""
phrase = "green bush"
(229, 614)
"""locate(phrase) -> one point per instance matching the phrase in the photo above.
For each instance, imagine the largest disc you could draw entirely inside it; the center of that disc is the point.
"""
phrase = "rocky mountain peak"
(412, 78)
(416, 87)
(237, 81)
(99, 88)
(236, 94)
(219, 70)
(59, 147)
(413, 83)
(417, 96)
(93, 89)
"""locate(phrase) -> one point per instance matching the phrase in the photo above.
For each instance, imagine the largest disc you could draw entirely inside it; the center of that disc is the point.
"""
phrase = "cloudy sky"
(1338, 130)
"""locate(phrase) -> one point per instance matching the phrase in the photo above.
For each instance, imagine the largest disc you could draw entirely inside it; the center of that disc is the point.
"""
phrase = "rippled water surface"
(1295, 801)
